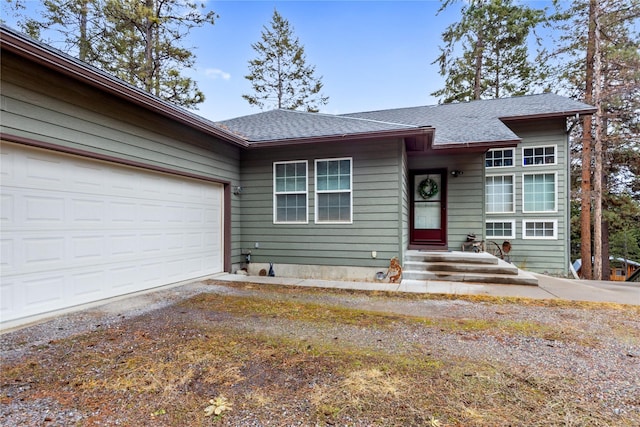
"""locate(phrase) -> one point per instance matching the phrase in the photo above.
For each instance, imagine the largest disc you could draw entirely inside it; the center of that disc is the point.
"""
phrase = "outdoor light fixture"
(456, 173)
(237, 190)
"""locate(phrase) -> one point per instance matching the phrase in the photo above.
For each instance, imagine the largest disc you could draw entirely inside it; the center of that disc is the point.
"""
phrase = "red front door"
(428, 217)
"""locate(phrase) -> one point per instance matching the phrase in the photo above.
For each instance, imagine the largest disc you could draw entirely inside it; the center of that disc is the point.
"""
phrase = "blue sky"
(371, 55)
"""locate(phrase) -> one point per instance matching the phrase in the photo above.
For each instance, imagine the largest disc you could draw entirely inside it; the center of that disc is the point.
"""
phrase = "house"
(107, 190)
(620, 269)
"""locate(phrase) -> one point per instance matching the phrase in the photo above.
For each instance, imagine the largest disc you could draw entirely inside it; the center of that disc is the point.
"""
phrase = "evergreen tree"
(77, 21)
(485, 54)
(609, 79)
(279, 76)
(138, 41)
(142, 46)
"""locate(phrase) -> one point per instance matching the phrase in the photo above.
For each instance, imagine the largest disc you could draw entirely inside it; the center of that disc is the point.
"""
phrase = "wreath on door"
(427, 188)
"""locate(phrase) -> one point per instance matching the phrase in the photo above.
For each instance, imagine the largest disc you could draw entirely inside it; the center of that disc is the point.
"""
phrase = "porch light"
(456, 173)
(237, 190)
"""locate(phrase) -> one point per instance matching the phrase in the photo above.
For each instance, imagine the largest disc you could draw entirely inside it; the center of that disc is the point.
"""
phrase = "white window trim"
(555, 201)
(275, 193)
(555, 229)
(500, 167)
(513, 202)
(555, 156)
(350, 191)
(494, 221)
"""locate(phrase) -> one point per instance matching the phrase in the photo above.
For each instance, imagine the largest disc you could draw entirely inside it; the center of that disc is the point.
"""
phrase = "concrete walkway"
(548, 288)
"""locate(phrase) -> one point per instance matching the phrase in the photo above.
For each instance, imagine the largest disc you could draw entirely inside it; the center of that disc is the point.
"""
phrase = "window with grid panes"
(539, 192)
(500, 194)
(333, 190)
(539, 229)
(290, 192)
(500, 229)
(539, 156)
(499, 158)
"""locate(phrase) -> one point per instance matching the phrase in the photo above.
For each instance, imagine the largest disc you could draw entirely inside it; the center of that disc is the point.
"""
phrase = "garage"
(78, 230)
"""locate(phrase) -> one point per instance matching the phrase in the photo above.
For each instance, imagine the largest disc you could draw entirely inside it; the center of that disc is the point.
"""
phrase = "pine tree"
(485, 54)
(77, 21)
(279, 76)
(610, 79)
(138, 41)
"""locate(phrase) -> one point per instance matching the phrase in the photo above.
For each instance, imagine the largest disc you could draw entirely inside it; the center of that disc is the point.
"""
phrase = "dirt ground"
(214, 353)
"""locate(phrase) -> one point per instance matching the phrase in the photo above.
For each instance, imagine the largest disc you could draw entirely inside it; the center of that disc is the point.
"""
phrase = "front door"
(428, 208)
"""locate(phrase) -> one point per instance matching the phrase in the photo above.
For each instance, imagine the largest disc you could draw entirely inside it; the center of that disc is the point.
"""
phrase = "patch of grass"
(533, 302)
(290, 310)
(626, 331)
(255, 306)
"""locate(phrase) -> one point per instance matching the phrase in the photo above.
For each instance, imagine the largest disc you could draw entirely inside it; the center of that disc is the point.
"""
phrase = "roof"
(290, 126)
(460, 124)
(480, 121)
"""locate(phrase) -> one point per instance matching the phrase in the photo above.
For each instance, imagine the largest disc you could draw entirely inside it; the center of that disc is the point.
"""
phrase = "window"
(501, 229)
(539, 156)
(333, 191)
(539, 192)
(499, 158)
(500, 194)
(540, 229)
(290, 192)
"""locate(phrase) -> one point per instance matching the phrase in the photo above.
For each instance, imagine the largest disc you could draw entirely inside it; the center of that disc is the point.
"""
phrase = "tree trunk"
(83, 44)
(626, 259)
(585, 211)
(148, 47)
(497, 78)
(477, 81)
(598, 133)
(280, 89)
(606, 265)
(606, 249)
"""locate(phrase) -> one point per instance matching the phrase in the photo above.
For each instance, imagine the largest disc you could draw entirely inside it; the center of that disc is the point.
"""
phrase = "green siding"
(550, 256)
(376, 207)
(63, 113)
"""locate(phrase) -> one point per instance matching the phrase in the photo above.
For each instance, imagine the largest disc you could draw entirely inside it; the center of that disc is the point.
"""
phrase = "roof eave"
(425, 132)
(31, 50)
(559, 114)
(475, 145)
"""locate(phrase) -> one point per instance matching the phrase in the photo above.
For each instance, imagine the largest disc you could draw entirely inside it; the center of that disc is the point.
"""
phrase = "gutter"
(25, 47)
(479, 145)
(424, 132)
(548, 115)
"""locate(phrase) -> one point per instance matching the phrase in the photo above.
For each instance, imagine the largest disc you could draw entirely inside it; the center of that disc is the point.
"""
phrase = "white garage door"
(76, 230)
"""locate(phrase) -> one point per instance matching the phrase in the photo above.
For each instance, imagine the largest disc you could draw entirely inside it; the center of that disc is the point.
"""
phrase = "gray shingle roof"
(479, 121)
(461, 123)
(278, 125)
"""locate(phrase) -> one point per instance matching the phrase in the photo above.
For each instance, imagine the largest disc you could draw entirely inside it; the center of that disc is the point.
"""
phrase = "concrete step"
(468, 267)
(523, 278)
(450, 257)
(500, 267)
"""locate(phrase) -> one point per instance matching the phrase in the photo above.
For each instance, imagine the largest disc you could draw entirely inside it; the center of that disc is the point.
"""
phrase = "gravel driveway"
(596, 347)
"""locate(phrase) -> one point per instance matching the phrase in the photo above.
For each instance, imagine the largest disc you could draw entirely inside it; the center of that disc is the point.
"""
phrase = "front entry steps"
(468, 267)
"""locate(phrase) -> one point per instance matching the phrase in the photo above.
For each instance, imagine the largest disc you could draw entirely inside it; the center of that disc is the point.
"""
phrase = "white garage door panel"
(76, 230)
